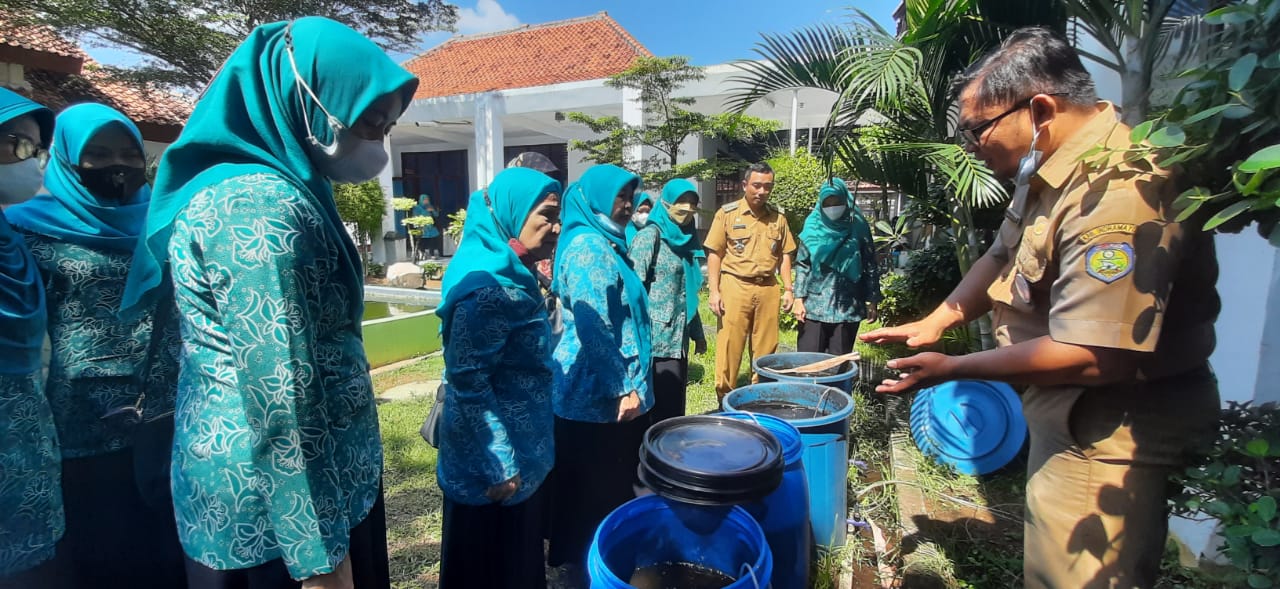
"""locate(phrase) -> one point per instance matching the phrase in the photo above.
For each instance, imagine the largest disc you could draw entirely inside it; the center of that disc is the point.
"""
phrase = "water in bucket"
(782, 409)
(679, 575)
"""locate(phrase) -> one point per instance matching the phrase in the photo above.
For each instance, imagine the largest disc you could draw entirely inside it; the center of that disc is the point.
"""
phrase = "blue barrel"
(683, 545)
(821, 414)
(841, 377)
(784, 514)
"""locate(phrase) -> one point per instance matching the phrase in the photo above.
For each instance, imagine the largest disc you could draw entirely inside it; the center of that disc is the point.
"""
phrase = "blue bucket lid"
(975, 426)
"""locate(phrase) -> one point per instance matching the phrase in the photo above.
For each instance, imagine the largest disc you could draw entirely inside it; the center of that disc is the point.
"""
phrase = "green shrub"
(930, 275)
(1234, 481)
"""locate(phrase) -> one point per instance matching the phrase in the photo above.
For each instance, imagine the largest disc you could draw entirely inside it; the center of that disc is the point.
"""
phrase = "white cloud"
(486, 17)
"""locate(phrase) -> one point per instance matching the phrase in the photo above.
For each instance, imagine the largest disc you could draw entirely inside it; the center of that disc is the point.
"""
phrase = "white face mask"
(348, 158)
(640, 219)
(20, 181)
(834, 212)
(1029, 163)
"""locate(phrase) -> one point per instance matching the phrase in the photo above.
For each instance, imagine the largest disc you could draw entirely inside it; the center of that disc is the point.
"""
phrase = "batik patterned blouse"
(598, 355)
(101, 362)
(277, 451)
(496, 421)
(662, 270)
(830, 297)
(31, 520)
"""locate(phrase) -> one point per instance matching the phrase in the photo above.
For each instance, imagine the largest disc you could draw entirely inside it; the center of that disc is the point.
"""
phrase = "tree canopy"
(667, 123)
(183, 42)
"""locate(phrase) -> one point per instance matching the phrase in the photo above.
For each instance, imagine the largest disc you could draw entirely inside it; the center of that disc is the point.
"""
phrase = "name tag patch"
(1096, 232)
(1109, 262)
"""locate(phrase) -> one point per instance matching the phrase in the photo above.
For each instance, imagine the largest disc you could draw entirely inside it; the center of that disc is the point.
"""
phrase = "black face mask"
(114, 183)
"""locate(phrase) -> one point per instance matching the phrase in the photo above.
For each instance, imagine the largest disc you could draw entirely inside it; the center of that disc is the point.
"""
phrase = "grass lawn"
(414, 500)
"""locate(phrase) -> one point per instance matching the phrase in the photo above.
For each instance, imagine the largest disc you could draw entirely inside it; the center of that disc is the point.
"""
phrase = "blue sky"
(708, 31)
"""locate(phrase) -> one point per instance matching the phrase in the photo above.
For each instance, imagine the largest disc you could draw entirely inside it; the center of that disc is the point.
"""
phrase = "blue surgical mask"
(349, 158)
(1029, 163)
(20, 181)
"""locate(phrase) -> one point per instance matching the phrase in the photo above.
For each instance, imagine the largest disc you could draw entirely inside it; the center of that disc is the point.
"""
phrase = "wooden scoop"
(821, 365)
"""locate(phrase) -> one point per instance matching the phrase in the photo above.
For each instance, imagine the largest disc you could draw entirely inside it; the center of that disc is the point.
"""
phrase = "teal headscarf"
(485, 258)
(585, 210)
(68, 211)
(22, 311)
(681, 240)
(250, 120)
(836, 245)
(639, 199)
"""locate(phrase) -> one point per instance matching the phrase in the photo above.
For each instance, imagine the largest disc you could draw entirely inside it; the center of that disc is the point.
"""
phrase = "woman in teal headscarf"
(665, 255)
(431, 239)
(112, 380)
(837, 279)
(277, 460)
(641, 207)
(496, 424)
(603, 382)
(30, 465)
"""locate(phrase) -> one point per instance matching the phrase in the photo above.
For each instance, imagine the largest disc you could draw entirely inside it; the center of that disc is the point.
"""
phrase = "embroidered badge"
(1096, 232)
(1109, 262)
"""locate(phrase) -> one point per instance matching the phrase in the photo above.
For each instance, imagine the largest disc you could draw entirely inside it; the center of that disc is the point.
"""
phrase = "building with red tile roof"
(39, 63)
(574, 50)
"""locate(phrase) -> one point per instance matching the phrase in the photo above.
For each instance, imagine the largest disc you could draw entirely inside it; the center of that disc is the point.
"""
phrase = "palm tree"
(893, 121)
(1136, 36)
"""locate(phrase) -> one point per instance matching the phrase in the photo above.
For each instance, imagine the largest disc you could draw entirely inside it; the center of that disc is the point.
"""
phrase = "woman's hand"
(340, 578)
(629, 407)
(504, 490)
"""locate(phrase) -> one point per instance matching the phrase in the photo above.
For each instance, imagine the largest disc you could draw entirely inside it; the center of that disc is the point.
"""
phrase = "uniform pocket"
(1033, 252)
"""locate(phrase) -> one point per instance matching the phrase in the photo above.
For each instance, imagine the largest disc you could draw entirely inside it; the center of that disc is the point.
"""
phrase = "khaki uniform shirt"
(749, 247)
(1093, 257)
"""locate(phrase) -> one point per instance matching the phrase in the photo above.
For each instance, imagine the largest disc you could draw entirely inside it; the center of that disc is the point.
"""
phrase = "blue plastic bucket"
(821, 414)
(653, 531)
(766, 368)
(784, 514)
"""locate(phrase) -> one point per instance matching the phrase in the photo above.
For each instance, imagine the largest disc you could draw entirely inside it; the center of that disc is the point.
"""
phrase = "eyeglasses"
(25, 148)
(971, 135)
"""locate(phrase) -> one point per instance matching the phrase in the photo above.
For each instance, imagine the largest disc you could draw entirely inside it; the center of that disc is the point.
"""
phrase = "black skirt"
(119, 532)
(370, 568)
(493, 546)
(595, 472)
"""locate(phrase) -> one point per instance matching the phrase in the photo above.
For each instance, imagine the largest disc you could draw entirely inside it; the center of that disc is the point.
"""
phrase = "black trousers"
(595, 469)
(836, 339)
(670, 384)
(493, 546)
(369, 565)
(117, 536)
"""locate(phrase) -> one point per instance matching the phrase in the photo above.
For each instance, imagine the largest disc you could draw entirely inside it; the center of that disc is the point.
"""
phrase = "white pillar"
(381, 247)
(795, 115)
(489, 139)
(632, 116)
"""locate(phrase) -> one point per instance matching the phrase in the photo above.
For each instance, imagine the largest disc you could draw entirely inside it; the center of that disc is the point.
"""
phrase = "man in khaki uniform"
(1101, 302)
(747, 246)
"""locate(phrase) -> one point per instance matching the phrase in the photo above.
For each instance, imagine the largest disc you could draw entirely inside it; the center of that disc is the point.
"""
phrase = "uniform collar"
(1066, 160)
(746, 208)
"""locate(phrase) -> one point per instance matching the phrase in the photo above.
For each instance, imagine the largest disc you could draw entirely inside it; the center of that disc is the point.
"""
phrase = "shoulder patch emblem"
(1109, 262)
(1096, 232)
(731, 207)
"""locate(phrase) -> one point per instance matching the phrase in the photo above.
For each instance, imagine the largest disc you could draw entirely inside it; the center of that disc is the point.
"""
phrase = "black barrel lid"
(710, 460)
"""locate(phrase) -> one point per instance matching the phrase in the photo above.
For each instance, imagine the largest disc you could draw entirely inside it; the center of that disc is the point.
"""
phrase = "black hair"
(1032, 60)
(756, 168)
